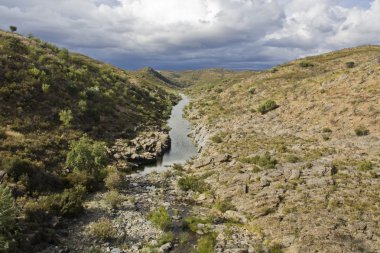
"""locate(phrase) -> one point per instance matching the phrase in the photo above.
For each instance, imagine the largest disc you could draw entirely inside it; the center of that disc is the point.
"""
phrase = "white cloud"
(177, 34)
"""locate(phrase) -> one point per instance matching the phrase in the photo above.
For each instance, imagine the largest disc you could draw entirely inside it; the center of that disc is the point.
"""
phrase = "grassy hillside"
(49, 98)
(206, 77)
(304, 140)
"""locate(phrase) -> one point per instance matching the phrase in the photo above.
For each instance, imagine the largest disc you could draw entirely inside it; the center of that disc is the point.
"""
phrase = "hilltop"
(291, 154)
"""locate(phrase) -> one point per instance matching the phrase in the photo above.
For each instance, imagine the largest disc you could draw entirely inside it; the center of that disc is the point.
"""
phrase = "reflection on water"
(182, 147)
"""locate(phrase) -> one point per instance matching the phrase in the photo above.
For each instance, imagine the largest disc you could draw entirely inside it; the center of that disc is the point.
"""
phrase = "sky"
(195, 34)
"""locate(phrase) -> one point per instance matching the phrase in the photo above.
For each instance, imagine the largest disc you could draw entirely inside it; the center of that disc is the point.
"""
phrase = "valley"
(279, 160)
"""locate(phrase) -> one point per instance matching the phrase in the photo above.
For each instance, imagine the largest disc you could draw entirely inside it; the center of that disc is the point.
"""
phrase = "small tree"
(7, 218)
(13, 28)
(66, 116)
(87, 155)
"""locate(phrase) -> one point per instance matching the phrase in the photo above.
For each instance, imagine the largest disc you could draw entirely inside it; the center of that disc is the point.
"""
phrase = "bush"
(66, 116)
(224, 205)
(361, 131)
(193, 183)
(165, 238)
(365, 166)
(206, 243)
(102, 229)
(350, 64)
(192, 222)
(13, 28)
(264, 161)
(7, 219)
(114, 199)
(305, 64)
(113, 180)
(82, 178)
(68, 203)
(252, 90)
(87, 155)
(3, 135)
(45, 88)
(292, 158)
(160, 218)
(216, 138)
(267, 106)
(16, 167)
(326, 130)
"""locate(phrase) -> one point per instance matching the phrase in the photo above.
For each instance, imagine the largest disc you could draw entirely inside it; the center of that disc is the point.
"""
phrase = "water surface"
(182, 148)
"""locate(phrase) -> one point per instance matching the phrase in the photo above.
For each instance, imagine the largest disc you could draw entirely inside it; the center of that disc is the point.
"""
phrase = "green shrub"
(305, 64)
(326, 130)
(102, 229)
(193, 183)
(267, 106)
(191, 223)
(113, 180)
(350, 64)
(160, 218)
(68, 203)
(114, 199)
(45, 88)
(66, 116)
(13, 28)
(3, 135)
(361, 131)
(365, 166)
(165, 238)
(206, 243)
(292, 159)
(16, 167)
(7, 219)
(87, 155)
(224, 205)
(252, 90)
(216, 138)
(265, 161)
(276, 249)
(82, 178)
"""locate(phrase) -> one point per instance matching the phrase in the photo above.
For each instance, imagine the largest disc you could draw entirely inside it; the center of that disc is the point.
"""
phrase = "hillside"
(295, 152)
(49, 99)
(205, 76)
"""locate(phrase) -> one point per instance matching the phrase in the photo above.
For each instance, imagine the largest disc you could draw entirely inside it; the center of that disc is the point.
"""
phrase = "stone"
(295, 174)
(115, 250)
(165, 248)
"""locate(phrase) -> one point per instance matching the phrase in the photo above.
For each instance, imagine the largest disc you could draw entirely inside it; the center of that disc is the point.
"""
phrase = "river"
(182, 148)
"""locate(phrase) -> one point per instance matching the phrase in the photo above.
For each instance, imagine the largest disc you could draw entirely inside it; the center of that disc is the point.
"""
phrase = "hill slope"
(303, 140)
(49, 98)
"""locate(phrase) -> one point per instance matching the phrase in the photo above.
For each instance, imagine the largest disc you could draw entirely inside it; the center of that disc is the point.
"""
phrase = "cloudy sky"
(192, 34)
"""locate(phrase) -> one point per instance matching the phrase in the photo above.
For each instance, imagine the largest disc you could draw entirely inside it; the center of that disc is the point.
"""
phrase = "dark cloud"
(172, 34)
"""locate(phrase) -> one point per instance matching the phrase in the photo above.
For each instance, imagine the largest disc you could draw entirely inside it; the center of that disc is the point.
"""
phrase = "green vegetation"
(224, 205)
(305, 64)
(265, 161)
(87, 155)
(365, 166)
(206, 243)
(160, 218)
(102, 229)
(13, 28)
(165, 238)
(58, 112)
(191, 222)
(361, 131)
(350, 64)
(193, 183)
(267, 106)
(114, 199)
(7, 219)
(66, 116)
